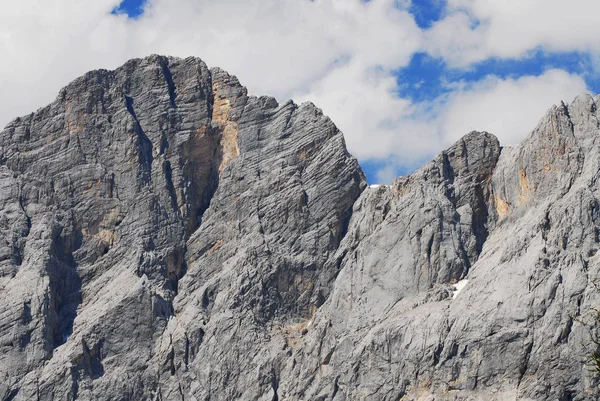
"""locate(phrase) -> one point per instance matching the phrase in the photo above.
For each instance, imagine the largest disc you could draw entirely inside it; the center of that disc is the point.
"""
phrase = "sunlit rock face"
(166, 236)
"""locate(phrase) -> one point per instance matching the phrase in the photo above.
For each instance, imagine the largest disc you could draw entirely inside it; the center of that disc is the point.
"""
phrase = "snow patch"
(458, 287)
(378, 185)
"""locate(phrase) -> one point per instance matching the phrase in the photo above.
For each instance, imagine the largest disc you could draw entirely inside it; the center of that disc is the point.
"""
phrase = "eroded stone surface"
(522, 227)
(165, 236)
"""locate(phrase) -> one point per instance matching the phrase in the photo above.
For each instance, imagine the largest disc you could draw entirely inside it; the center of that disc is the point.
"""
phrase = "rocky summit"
(166, 236)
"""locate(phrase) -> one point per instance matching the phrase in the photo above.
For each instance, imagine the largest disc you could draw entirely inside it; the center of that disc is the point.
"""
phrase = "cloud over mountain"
(343, 55)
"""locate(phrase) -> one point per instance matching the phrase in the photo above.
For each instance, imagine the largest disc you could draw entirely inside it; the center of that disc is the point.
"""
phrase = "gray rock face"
(165, 236)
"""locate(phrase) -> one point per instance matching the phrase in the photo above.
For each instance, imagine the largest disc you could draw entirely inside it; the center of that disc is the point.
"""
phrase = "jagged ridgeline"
(165, 236)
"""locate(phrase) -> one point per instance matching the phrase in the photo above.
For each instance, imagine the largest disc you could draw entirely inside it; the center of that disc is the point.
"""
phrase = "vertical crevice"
(144, 145)
(447, 170)
(429, 249)
(186, 357)
(479, 220)
(336, 387)
(437, 353)
(168, 172)
(65, 283)
(274, 385)
(209, 191)
(19, 242)
(525, 364)
(164, 143)
(12, 395)
(164, 63)
(465, 154)
(202, 175)
(92, 362)
(75, 377)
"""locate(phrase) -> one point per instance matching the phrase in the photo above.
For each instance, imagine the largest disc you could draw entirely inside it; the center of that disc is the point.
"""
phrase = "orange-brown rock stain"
(293, 334)
(104, 231)
(526, 189)
(502, 207)
(216, 246)
(229, 129)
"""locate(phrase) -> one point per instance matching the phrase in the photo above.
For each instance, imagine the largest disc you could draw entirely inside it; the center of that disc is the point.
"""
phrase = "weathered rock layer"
(165, 236)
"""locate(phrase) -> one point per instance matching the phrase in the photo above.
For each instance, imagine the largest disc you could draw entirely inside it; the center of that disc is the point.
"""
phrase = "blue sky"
(133, 8)
(424, 78)
(402, 79)
(426, 12)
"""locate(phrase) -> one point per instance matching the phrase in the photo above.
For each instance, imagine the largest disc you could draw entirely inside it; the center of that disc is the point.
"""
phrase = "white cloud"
(340, 54)
(361, 100)
(508, 108)
(476, 30)
(276, 47)
(386, 174)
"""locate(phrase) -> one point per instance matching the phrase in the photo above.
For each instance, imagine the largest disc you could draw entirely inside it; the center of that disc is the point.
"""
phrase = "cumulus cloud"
(508, 108)
(339, 54)
(410, 133)
(475, 30)
(277, 47)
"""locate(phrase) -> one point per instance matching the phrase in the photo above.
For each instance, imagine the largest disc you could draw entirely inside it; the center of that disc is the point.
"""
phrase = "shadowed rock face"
(165, 236)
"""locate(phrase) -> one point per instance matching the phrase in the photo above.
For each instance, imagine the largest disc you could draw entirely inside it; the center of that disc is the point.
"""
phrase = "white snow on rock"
(458, 287)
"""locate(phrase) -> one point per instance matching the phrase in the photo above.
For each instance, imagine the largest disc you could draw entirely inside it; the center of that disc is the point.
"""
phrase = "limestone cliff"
(165, 236)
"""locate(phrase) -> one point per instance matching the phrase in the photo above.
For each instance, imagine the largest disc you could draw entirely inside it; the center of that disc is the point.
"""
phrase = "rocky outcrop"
(165, 236)
(149, 214)
(518, 226)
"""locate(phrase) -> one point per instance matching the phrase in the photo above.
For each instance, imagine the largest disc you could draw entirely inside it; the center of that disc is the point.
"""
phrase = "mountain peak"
(167, 236)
